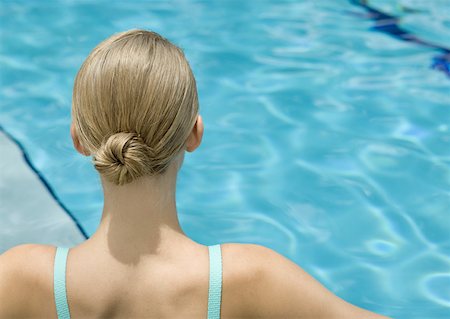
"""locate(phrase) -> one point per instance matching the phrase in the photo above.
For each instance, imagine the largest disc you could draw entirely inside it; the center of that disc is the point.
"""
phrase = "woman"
(135, 111)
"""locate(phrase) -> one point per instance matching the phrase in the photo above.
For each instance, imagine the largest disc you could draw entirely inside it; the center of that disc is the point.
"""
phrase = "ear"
(196, 135)
(76, 141)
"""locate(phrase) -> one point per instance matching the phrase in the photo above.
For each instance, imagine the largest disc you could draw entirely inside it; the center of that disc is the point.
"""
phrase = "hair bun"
(124, 157)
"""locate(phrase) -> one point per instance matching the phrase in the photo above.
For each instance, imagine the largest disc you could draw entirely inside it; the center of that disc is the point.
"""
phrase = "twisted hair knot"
(124, 157)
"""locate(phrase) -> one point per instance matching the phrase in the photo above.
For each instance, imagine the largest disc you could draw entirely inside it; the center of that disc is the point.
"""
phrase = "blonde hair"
(134, 104)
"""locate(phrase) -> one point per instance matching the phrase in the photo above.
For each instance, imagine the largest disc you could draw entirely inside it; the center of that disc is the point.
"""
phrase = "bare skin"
(140, 263)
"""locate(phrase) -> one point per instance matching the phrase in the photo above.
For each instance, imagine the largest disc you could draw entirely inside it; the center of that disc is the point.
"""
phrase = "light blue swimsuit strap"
(59, 283)
(215, 281)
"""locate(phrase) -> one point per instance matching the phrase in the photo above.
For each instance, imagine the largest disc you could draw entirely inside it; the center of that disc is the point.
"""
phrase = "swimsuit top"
(214, 292)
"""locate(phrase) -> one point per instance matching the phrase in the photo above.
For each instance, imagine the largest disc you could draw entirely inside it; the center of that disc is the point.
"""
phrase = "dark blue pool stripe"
(44, 181)
(388, 24)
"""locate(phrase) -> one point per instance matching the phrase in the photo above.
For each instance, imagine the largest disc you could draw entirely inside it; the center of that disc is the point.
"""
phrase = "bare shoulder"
(25, 278)
(239, 274)
(270, 285)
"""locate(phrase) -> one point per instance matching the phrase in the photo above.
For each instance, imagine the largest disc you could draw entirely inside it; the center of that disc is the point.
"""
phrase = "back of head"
(134, 105)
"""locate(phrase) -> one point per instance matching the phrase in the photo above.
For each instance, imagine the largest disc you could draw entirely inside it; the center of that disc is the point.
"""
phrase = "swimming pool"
(325, 139)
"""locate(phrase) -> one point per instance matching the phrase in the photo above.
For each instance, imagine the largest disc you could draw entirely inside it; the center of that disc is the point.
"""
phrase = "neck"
(139, 218)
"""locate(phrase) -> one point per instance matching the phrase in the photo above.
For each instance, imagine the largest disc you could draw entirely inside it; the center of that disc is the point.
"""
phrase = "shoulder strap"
(59, 283)
(215, 281)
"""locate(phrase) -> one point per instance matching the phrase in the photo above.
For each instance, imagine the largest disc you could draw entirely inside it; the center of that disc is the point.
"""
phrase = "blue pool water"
(325, 140)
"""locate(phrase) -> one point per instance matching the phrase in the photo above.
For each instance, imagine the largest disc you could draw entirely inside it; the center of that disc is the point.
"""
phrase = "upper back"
(257, 282)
